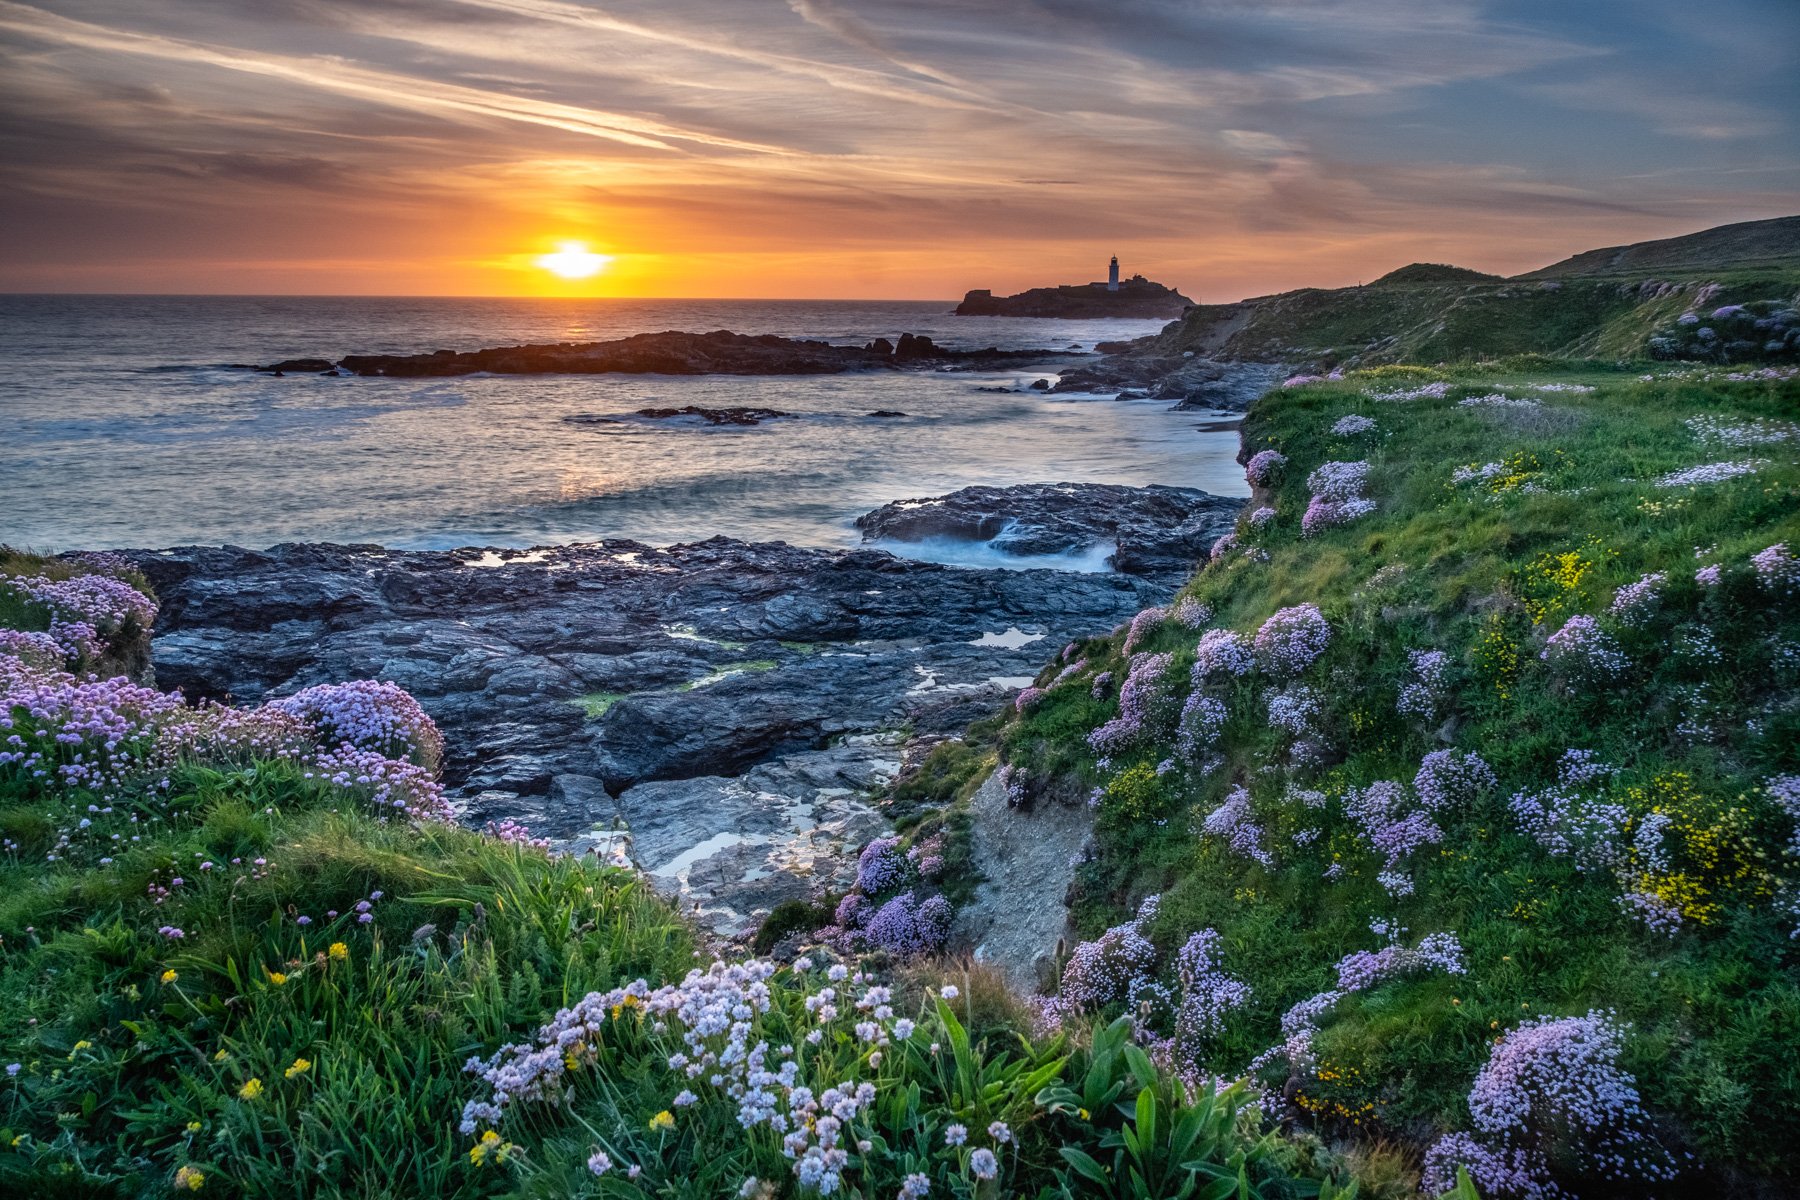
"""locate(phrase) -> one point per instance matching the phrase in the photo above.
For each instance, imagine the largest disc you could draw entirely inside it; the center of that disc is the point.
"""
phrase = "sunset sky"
(850, 148)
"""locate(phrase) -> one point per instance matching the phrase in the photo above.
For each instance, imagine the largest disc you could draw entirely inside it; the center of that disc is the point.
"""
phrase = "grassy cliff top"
(1747, 245)
(1486, 720)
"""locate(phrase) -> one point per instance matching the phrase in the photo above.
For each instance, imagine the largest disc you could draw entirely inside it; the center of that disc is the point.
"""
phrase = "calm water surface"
(124, 427)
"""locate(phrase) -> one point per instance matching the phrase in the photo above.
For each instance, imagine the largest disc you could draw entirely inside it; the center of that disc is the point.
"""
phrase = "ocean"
(123, 427)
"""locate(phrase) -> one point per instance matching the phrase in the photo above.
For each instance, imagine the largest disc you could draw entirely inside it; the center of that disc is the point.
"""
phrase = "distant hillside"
(1730, 294)
(1433, 273)
(1749, 244)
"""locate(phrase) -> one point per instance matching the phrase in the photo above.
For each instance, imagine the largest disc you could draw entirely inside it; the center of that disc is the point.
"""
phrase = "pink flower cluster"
(1391, 825)
(712, 1024)
(907, 926)
(881, 866)
(1222, 652)
(514, 833)
(1103, 970)
(1356, 972)
(1634, 603)
(1191, 614)
(1292, 639)
(1777, 570)
(1293, 709)
(1568, 821)
(1337, 496)
(1353, 425)
(1452, 779)
(1422, 696)
(369, 715)
(1705, 473)
(38, 650)
(1208, 994)
(1365, 969)
(1142, 626)
(1264, 467)
(1430, 391)
(106, 604)
(1203, 719)
(1146, 706)
(1553, 1091)
(1235, 821)
(1584, 652)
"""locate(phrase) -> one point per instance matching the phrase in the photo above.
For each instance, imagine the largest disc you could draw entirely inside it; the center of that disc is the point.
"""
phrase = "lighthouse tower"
(1112, 275)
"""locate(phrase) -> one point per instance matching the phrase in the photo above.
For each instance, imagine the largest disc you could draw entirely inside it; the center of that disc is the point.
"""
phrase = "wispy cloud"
(716, 145)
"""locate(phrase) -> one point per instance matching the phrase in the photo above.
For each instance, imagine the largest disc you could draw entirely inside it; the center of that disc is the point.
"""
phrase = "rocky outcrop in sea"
(672, 353)
(1153, 530)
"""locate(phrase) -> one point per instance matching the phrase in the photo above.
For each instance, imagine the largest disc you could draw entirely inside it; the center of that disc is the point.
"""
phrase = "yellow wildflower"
(190, 1178)
(663, 1120)
(479, 1151)
(83, 1044)
(277, 978)
(219, 1057)
(170, 975)
(251, 1090)
(339, 951)
(193, 1127)
(301, 1066)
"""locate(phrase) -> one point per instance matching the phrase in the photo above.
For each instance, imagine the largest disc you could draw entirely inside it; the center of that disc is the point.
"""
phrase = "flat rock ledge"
(720, 713)
(1153, 530)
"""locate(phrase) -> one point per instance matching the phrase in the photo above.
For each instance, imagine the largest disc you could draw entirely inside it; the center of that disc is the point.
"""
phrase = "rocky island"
(1136, 297)
(672, 353)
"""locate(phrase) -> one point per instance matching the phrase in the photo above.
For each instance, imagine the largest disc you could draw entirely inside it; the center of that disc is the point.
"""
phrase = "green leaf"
(1084, 1163)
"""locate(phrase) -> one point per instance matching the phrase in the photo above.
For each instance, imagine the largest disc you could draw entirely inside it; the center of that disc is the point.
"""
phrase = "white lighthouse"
(1112, 275)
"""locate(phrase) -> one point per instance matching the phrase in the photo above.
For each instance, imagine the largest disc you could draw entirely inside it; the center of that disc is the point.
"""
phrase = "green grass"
(595, 705)
(1485, 573)
(130, 1071)
(1462, 322)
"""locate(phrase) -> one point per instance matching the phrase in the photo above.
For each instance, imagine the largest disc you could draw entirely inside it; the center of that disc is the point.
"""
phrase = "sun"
(573, 260)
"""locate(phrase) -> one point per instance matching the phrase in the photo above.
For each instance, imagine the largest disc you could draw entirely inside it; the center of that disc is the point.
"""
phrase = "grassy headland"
(1466, 774)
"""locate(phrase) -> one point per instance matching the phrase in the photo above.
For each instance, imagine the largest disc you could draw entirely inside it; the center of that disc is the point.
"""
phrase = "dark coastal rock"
(1156, 529)
(301, 366)
(887, 412)
(1189, 381)
(694, 691)
(1135, 297)
(716, 416)
(673, 353)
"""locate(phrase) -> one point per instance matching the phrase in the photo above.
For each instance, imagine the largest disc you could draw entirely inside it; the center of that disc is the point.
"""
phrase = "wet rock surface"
(731, 703)
(1157, 530)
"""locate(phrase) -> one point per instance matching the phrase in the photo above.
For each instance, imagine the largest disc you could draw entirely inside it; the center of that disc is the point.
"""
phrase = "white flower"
(599, 1162)
(950, 992)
